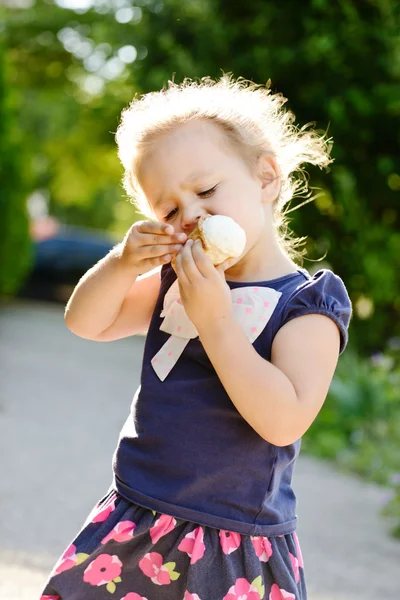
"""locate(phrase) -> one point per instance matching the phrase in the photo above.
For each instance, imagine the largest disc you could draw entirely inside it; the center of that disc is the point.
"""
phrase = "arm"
(99, 296)
(111, 300)
(279, 399)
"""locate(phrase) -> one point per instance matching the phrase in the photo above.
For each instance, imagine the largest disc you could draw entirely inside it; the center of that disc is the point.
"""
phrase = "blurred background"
(67, 69)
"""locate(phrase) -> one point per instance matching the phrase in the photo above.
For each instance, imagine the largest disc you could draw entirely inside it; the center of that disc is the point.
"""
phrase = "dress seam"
(195, 516)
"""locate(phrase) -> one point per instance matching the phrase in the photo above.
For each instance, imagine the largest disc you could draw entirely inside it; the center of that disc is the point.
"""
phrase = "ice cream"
(221, 236)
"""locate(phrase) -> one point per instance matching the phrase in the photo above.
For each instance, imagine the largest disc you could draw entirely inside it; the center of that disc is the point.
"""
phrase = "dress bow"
(252, 309)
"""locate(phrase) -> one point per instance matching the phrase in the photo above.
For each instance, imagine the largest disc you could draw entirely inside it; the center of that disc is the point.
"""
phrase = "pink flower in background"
(104, 513)
(298, 550)
(122, 532)
(67, 561)
(152, 566)
(279, 594)
(103, 569)
(263, 547)
(193, 545)
(242, 590)
(230, 541)
(190, 596)
(133, 596)
(162, 526)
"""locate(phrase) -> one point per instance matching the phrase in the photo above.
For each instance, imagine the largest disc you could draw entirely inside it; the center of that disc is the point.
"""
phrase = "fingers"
(157, 250)
(153, 227)
(150, 243)
(181, 261)
(186, 268)
(149, 233)
(202, 261)
(193, 263)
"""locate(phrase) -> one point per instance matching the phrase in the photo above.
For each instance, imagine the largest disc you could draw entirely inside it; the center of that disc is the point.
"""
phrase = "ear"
(270, 178)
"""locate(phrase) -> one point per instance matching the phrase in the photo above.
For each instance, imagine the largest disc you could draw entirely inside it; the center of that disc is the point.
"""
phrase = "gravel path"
(62, 403)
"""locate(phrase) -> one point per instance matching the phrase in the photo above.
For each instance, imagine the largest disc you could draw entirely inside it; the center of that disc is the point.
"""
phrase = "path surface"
(62, 403)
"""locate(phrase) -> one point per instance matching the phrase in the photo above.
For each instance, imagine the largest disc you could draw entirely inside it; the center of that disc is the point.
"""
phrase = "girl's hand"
(148, 244)
(204, 292)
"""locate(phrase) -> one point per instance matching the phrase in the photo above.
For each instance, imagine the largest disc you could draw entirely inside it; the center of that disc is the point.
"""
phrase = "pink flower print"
(68, 560)
(162, 526)
(263, 547)
(230, 541)
(122, 532)
(133, 596)
(295, 565)
(298, 550)
(278, 593)
(193, 544)
(242, 590)
(104, 513)
(190, 596)
(103, 569)
(152, 566)
(50, 597)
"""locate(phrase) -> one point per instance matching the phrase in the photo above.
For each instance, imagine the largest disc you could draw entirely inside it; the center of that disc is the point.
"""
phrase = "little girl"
(201, 506)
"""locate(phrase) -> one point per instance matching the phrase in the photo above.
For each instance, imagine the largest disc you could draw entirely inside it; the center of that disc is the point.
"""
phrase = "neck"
(266, 260)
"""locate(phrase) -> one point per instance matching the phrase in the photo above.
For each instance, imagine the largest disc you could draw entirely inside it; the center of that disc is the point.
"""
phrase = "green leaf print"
(117, 580)
(111, 587)
(173, 574)
(258, 584)
(81, 556)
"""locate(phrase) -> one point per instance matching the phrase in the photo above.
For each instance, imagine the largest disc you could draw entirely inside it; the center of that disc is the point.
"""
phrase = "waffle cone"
(213, 253)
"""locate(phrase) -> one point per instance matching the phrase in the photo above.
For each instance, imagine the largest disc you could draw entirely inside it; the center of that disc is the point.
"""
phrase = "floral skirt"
(127, 552)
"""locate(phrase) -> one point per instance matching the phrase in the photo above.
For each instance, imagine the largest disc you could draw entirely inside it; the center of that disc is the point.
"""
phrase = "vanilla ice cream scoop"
(221, 236)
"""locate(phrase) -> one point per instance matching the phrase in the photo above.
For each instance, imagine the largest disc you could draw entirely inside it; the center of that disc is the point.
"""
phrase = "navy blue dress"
(201, 507)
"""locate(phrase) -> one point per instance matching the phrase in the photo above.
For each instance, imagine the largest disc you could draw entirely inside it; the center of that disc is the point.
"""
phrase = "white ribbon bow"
(252, 309)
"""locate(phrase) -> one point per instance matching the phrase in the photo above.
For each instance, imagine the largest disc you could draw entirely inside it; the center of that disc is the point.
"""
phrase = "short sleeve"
(324, 294)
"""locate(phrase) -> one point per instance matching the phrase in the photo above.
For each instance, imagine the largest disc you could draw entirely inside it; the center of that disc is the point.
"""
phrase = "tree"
(336, 62)
(15, 247)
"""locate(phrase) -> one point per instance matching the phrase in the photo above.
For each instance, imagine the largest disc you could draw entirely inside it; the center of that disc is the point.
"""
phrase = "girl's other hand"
(204, 292)
(148, 244)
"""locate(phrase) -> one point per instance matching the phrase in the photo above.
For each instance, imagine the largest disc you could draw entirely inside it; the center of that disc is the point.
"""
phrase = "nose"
(190, 216)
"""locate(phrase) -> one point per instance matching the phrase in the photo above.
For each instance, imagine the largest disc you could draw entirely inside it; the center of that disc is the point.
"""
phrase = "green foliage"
(337, 62)
(359, 425)
(14, 233)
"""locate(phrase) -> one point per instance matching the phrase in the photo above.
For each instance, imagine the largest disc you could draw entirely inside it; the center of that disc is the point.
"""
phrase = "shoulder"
(322, 293)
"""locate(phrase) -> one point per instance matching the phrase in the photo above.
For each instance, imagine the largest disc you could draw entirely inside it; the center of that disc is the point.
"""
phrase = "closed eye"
(208, 193)
(171, 214)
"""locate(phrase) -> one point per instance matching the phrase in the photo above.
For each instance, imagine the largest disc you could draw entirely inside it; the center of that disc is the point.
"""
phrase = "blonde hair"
(253, 119)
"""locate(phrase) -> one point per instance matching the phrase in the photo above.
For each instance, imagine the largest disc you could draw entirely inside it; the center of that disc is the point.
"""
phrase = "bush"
(359, 424)
(15, 246)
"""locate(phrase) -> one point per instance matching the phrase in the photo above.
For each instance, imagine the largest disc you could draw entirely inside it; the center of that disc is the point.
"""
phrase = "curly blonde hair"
(253, 119)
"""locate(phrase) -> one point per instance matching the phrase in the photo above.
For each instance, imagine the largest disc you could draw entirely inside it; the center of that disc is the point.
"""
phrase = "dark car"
(62, 254)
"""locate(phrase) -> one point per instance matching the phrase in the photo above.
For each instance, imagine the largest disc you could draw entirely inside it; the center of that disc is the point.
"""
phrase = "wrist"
(216, 327)
(123, 261)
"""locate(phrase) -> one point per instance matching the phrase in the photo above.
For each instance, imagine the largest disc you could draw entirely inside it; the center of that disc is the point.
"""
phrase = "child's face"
(192, 172)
